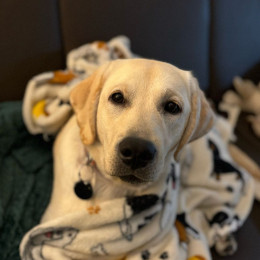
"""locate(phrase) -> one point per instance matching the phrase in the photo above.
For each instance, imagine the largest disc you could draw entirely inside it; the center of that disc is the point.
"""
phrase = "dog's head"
(135, 115)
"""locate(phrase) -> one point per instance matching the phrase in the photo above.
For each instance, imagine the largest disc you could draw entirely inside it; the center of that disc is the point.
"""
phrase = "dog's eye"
(172, 108)
(117, 98)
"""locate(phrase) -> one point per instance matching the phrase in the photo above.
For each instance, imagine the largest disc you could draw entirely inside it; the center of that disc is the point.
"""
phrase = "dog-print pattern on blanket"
(208, 213)
(98, 250)
(146, 255)
(191, 230)
(218, 197)
(172, 176)
(222, 167)
(221, 218)
(56, 237)
(137, 204)
(132, 222)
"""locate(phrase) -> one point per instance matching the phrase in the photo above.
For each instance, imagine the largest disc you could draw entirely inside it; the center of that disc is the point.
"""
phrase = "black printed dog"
(59, 237)
(222, 167)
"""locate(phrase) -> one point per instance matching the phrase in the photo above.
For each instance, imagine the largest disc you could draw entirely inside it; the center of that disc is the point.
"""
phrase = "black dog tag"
(83, 190)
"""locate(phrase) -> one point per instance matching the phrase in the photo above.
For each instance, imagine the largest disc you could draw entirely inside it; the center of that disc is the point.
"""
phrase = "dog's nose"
(136, 152)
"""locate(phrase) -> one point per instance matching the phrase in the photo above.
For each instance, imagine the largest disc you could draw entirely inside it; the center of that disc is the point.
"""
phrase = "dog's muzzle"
(136, 152)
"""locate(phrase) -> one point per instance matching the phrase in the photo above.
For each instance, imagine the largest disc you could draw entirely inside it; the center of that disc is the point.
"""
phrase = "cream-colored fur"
(99, 125)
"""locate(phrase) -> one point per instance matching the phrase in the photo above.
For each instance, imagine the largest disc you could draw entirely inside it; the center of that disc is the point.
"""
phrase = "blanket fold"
(115, 228)
(46, 106)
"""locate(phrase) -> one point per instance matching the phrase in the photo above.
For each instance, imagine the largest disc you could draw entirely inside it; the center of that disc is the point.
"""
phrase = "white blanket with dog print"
(138, 227)
(192, 210)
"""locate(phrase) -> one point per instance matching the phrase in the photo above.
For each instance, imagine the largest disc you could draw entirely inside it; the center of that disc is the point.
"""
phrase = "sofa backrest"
(30, 43)
(215, 39)
(166, 30)
(234, 41)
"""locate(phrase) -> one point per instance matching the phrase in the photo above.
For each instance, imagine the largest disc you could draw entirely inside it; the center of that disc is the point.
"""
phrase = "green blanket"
(25, 179)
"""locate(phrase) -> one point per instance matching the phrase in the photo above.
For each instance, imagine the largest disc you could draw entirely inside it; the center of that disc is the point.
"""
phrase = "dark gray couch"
(216, 39)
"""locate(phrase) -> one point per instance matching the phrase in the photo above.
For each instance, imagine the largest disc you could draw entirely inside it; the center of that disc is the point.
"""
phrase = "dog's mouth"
(132, 179)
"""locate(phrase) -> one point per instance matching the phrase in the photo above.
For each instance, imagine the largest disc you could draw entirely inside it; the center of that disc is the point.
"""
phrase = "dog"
(132, 119)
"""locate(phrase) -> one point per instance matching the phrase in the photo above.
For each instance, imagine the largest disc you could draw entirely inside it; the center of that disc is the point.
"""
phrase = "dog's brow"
(170, 93)
(119, 87)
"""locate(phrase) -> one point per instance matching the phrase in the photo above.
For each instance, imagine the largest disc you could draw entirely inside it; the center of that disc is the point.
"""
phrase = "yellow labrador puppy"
(132, 119)
(133, 116)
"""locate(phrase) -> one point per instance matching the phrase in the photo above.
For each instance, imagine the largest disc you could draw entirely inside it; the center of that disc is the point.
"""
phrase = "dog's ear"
(84, 99)
(201, 118)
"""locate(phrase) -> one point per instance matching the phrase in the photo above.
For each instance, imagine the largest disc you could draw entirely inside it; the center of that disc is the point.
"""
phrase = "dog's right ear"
(84, 99)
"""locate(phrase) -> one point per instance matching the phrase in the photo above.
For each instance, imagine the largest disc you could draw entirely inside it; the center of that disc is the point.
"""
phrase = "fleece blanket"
(26, 181)
(214, 200)
(216, 194)
(243, 103)
(121, 228)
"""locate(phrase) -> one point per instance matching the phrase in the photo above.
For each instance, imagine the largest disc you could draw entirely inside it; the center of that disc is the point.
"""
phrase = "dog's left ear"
(84, 99)
(201, 117)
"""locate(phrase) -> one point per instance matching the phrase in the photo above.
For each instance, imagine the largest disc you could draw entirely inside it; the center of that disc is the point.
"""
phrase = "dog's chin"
(125, 175)
(133, 180)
